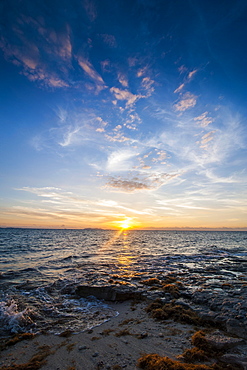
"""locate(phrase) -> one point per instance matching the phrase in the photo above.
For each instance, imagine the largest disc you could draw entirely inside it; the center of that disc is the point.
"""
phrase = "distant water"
(39, 269)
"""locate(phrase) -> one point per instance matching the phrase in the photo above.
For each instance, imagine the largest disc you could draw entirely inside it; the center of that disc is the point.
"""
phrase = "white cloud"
(123, 80)
(90, 71)
(203, 120)
(120, 160)
(139, 183)
(192, 73)
(125, 95)
(187, 101)
(179, 89)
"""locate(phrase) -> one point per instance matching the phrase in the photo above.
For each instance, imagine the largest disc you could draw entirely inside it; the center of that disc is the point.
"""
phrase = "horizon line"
(134, 229)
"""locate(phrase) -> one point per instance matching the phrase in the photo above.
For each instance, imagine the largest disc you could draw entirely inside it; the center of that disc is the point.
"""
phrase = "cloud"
(123, 80)
(126, 186)
(187, 101)
(109, 40)
(125, 95)
(53, 193)
(151, 182)
(132, 120)
(203, 120)
(147, 85)
(192, 73)
(42, 52)
(90, 9)
(120, 160)
(206, 139)
(179, 89)
(70, 137)
(90, 71)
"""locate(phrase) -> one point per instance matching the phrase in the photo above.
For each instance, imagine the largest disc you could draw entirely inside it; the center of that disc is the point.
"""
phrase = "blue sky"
(125, 112)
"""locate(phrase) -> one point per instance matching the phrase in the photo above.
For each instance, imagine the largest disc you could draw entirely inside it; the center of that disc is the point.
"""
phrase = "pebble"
(82, 347)
(95, 354)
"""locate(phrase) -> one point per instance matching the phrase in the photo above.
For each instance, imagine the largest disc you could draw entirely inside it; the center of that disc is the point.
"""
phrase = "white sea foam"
(13, 320)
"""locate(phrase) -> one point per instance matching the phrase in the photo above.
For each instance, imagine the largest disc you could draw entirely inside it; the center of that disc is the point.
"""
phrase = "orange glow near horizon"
(125, 224)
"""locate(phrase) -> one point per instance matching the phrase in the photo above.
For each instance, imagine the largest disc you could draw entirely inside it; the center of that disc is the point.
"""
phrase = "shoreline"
(120, 342)
(115, 344)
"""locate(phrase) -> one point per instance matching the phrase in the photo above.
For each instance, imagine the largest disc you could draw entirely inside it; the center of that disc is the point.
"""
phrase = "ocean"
(40, 270)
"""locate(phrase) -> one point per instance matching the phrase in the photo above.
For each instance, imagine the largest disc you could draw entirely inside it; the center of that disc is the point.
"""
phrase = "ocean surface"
(40, 269)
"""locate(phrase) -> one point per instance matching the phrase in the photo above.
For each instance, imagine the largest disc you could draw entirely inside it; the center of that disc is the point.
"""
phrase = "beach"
(85, 300)
(164, 326)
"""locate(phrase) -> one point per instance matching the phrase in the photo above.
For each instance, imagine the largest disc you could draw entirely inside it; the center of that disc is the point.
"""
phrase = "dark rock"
(184, 304)
(234, 327)
(219, 341)
(107, 293)
(234, 359)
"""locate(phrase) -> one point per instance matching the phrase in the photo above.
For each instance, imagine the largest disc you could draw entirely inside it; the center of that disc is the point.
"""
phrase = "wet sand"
(116, 344)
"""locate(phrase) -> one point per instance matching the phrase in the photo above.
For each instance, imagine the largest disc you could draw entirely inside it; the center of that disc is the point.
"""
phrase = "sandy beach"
(116, 344)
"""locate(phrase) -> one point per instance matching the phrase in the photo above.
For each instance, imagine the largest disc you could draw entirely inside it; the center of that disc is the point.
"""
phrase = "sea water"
(40, 269)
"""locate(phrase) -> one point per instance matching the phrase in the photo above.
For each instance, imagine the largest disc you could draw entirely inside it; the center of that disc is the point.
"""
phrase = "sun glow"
(125, 224)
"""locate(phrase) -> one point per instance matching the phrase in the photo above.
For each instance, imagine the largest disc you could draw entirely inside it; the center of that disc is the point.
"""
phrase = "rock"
(234, 359)
(107, 293)
(234, 327)
(82, 347)
(95, 354)
(219, 341)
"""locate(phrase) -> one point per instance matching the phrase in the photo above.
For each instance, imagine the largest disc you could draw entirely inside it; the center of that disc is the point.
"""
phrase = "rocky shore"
(194, 319)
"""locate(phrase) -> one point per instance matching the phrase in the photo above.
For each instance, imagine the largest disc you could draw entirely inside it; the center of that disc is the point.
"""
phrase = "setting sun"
(127, 223)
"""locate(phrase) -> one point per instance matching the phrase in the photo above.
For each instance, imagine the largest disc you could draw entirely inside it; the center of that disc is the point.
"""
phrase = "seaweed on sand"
(194, 354)
(173, 311)
(156, 362)
(17, 338)
(34, 364)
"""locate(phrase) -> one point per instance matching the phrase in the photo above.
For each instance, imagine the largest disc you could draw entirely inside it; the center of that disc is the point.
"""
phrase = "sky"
(125, 113)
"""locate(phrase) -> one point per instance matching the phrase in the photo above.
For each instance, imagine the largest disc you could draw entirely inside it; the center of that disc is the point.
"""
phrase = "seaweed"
(156, 362)
(106, 332)
(35, 363)
(151, 281)
(194, 354)
(174, 311)
(70, 347)
(127, 321)
(173, 289)
(159, 314)
(17, 338)
(199, 340)
(123, 332)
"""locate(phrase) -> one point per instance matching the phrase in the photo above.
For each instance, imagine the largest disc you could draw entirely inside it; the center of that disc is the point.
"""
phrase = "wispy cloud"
(206, 139)
(109, 40)
(123, 79)
(125, 95)
(180, 88)
(91, 72)
(204, 120)
(121, 160)
(186, 101)
(186, 80)
(43, 53)
(91, 9)
(139, 183)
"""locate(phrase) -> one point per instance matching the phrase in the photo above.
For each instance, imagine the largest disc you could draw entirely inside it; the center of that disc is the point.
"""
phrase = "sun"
(125, 224)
